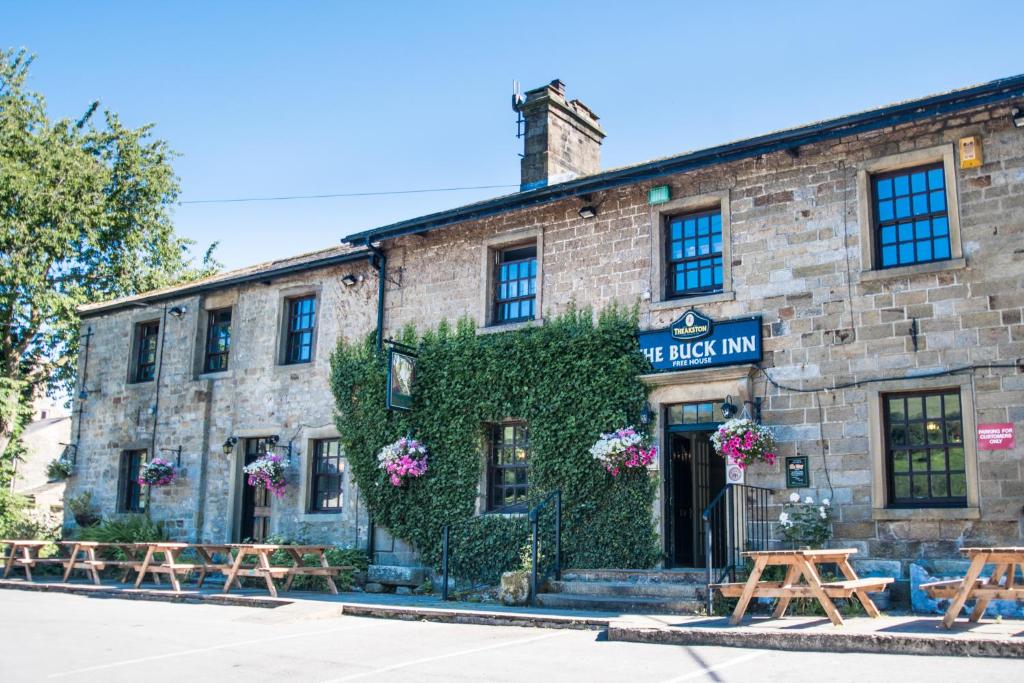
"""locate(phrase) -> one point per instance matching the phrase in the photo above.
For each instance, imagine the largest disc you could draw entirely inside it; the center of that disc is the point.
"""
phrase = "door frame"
(668, 481)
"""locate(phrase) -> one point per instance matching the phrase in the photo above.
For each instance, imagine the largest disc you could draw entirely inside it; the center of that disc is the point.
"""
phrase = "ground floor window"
(508, 461)
(327, 475)
(924, 449)
(130, 497)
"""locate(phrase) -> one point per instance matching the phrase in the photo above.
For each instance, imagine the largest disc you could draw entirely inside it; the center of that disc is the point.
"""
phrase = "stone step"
(392, 575)
(678, 591)
(619, 604)
(640, 576)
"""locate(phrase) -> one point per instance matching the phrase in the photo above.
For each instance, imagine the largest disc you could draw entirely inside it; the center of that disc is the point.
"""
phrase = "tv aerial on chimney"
(517, 104)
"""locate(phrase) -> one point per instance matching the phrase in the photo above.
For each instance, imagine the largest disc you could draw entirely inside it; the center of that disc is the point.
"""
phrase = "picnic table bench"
(25, 554)
(162, 557)
(802, 564)
(82, 556)
(254, 560)
(1000, 585)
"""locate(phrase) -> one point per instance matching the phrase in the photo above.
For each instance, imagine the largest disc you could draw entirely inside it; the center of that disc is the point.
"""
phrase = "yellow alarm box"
(970, 152)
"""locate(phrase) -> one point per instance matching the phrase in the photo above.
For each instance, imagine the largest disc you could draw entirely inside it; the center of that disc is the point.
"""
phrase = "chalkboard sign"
(798, 475)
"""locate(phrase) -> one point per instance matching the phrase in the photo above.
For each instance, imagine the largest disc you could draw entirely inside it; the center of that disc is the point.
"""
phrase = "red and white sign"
(995, 436)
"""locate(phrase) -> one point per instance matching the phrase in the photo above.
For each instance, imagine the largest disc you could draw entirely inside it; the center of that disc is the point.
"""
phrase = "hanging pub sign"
(401, 373)
(696, 341)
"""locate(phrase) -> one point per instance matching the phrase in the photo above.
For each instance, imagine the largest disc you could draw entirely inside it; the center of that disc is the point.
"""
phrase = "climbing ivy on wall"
(569, 379)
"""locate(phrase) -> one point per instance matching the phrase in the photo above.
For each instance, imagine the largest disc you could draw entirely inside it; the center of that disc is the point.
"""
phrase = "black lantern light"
(645, 414)
(229, 445)
(728, 408)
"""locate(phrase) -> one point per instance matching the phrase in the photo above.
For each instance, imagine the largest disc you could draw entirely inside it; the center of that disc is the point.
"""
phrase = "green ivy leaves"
(570, 379)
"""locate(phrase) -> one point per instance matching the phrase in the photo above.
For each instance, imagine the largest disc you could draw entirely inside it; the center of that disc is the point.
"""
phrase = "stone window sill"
(686, 302)
(321, 516)
(897, 514)
(913, 269)
(509, 327)
(223, 374)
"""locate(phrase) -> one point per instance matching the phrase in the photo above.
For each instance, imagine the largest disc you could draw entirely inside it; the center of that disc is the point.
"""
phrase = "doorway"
(694, 474)
(254, 520)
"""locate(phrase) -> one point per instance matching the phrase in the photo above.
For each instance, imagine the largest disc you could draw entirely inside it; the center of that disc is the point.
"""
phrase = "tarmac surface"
(54, 636)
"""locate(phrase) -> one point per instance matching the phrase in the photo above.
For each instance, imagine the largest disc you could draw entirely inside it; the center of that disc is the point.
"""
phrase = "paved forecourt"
(71, 637)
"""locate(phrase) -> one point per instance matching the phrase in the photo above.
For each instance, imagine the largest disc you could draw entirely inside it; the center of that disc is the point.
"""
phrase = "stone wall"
(256, 396)
(796, 260)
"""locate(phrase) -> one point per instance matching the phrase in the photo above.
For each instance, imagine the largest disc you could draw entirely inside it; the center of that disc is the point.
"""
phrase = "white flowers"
(809, 500)
(794, 498)
(822, 513)
(804, 522)
(825, 501)
(784, 519)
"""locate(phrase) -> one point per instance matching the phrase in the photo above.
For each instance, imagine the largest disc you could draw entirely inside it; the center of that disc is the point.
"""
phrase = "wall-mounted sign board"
(996, 436)
(798, 474)
(696, 341)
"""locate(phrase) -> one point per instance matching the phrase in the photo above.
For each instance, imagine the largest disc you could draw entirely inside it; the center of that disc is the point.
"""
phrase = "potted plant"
(157, 472)
(745, 442)
(403, 460)
(81, 510)
(268, 471)
(805, 523)
(621, 450)
(59, 469)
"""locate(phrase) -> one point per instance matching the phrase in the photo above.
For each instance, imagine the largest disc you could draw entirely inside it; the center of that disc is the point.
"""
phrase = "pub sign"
(696, 341)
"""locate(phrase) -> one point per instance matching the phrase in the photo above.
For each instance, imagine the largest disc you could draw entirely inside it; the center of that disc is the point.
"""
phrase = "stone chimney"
(563, 138)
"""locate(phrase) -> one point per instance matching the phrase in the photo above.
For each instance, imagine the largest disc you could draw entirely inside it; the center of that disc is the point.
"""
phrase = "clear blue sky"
(318, 97)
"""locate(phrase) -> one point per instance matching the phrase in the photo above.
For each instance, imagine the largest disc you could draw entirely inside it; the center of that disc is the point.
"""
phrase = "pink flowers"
(268, 472)
(622, 449)
(157, 472)
(745, 442)
(403, 460)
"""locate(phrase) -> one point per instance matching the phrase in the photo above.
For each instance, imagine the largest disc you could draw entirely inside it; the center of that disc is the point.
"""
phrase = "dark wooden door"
(255, 521)
(695, 475)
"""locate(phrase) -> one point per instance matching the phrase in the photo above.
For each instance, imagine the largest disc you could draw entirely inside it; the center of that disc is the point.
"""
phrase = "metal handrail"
(555, 495)
(732, 528)
(534, 517)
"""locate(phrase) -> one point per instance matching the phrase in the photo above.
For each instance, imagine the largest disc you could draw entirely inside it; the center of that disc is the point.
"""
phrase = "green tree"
(85, 216)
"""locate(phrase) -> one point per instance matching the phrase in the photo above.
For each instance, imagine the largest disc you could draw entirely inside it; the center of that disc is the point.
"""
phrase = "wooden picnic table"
(82, 555)
(25, 554)
(1000, 585)
(253, 560)
(802, 564)
(162, 557)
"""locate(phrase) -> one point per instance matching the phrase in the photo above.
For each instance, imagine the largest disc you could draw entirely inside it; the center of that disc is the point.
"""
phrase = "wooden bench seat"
(776, 589)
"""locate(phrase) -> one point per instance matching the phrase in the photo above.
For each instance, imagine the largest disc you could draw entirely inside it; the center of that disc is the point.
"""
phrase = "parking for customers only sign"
(995, 436)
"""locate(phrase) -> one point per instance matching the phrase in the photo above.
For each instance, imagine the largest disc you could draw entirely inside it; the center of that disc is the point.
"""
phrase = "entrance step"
(671, 591)
(619, 604)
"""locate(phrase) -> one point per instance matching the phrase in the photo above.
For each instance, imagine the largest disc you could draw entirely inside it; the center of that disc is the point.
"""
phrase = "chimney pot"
(562, 140)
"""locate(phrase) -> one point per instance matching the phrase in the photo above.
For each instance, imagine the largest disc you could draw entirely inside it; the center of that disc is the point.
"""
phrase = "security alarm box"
(970, 152)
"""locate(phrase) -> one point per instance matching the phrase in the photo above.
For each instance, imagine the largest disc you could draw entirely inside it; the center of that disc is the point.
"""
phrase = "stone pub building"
(864, 277)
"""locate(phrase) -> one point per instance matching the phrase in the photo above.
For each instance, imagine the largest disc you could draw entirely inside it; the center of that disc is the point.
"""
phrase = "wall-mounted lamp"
(645, 414)
(588, 211)
(177, 311)
(350, 280)
(1017, 114)
(177, 454)
(728, 408)
(229, 445)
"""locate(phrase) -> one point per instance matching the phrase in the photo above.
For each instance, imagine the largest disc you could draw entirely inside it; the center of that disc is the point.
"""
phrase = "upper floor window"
(911, 217)
(326, 480)
(130, 498)
(147, 337)
(515, 287)
(300, 325)
(924, 449)
(218, 340)
(508, 467)
(693, 254)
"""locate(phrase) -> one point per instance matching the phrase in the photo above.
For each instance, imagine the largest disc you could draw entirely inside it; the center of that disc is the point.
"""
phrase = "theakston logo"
(691, 325)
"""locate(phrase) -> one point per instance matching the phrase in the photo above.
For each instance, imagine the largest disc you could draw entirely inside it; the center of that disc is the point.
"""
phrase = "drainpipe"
(382, 269)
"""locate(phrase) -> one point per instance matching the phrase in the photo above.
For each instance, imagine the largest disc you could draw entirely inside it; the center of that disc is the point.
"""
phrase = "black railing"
(537, 558)
(736, 520)
(555, 496)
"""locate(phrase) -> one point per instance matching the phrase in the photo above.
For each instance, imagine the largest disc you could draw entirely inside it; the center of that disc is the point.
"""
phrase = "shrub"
(82, 510)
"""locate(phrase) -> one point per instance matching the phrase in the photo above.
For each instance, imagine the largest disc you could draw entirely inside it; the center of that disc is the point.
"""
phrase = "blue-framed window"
(218, 340)
(508, 466)
(693, 255)
(515, 287)
(326, 481)
(911, 219)
(147, 337)
(130, 495)
(301, 326)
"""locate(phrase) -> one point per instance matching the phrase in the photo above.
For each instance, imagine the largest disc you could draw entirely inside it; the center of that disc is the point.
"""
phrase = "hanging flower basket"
(268, 472)
(157, 472)
(621, 450)
(59, 469)
(745, 442)
(403, 460)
